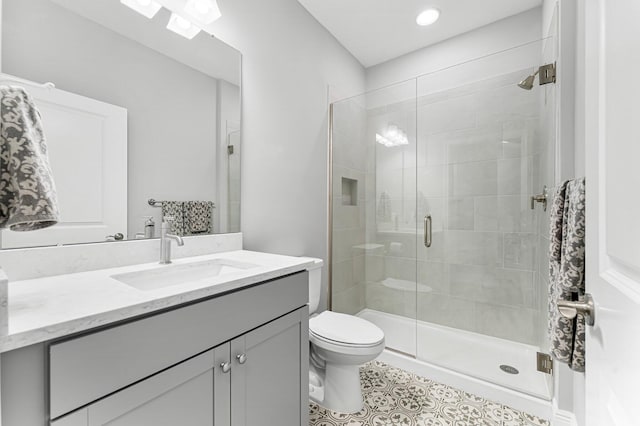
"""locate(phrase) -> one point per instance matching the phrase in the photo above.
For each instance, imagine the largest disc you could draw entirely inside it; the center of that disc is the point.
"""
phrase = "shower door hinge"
(545, 363)
(547, 74)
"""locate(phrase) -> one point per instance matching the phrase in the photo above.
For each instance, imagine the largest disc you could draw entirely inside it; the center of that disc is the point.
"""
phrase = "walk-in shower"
(433, 234)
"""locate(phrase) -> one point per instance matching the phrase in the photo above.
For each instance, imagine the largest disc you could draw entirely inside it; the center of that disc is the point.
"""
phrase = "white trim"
(563, 418)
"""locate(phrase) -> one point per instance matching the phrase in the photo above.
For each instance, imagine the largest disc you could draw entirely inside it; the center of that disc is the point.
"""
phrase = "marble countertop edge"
(270, 267)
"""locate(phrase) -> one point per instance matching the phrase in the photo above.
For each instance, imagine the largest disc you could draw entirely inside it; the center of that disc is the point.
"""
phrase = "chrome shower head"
(527, 83)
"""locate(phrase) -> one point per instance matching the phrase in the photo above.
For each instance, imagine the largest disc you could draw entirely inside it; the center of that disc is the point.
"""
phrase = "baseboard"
(563, 418)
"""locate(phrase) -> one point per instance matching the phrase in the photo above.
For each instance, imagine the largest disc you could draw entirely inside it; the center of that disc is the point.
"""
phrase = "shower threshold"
(471, 354)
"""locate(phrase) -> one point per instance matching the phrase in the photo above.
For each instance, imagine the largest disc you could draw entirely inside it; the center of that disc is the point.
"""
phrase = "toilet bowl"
(339, 345)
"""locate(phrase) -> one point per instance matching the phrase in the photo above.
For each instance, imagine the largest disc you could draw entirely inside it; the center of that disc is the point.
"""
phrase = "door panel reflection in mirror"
(137, 113)
(90, 185)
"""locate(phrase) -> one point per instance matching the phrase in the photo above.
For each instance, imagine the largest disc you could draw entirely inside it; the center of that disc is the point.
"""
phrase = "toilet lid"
(347, 329)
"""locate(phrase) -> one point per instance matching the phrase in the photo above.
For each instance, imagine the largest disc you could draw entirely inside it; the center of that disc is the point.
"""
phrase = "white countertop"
(47, 308)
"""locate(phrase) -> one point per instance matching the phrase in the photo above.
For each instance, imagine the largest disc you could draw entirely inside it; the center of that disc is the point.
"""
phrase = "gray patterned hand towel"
(174, 209)
(566, 272)
(28, 199)
(198, 215)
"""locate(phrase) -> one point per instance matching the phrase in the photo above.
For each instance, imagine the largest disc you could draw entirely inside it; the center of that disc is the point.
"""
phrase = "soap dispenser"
(149, 227)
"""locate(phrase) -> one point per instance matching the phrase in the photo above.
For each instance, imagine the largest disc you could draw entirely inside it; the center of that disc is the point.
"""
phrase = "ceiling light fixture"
(392, 137)
(428, 17)
(202, 12)
(182, 26)
(146, 8)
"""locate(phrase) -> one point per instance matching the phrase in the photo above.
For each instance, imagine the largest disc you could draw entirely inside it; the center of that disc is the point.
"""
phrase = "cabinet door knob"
(242, 358)
(226, 367)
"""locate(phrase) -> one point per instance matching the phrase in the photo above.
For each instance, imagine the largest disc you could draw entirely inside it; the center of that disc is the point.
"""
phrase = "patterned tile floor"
(394, 397)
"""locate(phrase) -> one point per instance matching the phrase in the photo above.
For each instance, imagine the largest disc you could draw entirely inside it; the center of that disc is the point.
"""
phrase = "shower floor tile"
(396, 397)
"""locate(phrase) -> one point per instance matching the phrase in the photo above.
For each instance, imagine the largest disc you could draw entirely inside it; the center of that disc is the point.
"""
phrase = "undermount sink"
(169, 275)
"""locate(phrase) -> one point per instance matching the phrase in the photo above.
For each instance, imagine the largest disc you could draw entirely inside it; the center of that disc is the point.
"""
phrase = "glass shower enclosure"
(434, 238)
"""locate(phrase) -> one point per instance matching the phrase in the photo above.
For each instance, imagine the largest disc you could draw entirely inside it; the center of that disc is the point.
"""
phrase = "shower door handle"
(427, 230)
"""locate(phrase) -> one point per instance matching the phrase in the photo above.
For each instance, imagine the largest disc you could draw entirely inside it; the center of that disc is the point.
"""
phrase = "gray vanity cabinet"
(270, 378)
(257, 379)
(182, 395)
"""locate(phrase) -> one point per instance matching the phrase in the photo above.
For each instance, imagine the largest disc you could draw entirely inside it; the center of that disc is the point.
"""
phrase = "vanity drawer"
(87, 368)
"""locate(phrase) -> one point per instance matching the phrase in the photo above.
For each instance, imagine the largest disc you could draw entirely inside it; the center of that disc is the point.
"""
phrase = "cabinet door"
(184, 395)
(269, 378)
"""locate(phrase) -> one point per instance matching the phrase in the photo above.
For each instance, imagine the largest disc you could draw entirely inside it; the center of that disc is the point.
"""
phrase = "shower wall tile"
(460, 213)
(342, 273)
(389, 182)
(477, 144)
(479, 178)
(474, 248)
(434, 207)
(389, 300)
(506, 322)
(404, 243)
(437, 251)
(434, 275)
(347, 216)
(375, 270)
(515, 214)
(520, 251)
(432, 150)
(431, 181)
(344, 241)
(350, 301)
(400, 268)
(446, 310)
(504, 214)
(514, 176)
(446, 116)
(486, 214)
(492, 285)
(522, 138)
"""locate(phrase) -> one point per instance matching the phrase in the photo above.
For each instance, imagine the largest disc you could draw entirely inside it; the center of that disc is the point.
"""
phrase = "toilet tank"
(315, 284)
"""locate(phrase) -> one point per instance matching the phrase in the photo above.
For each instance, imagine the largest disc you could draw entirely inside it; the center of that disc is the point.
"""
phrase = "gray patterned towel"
(198, 215)
(566, 272)
(28, 199)
(174, 209)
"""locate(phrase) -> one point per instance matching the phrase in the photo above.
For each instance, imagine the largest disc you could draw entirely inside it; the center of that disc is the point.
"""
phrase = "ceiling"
(375, 31)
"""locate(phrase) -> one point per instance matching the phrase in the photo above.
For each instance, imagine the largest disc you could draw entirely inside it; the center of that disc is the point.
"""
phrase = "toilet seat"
(341, 330)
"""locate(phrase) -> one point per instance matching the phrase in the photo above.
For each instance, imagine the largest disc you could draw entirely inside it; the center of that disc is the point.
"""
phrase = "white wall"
(289, 60)
(522, 28)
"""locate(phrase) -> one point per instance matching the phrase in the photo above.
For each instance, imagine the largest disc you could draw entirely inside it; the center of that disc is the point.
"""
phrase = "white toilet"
(339, 345)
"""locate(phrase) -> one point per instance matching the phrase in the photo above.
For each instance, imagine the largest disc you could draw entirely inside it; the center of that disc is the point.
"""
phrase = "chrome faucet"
(165, 241)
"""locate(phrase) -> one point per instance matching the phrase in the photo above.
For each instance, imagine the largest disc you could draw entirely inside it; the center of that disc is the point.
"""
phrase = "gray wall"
(172, 108)
(288, 62)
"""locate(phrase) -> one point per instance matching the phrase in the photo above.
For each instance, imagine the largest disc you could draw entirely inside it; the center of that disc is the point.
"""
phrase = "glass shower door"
(374, 211)
(478, 163)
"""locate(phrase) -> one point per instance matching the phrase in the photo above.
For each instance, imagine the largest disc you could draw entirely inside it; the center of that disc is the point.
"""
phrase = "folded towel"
(566, 272)
(198, 215)
(28, 199)
(175, 210)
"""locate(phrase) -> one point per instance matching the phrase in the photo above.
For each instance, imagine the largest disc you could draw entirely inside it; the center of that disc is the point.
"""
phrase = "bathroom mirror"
(138, 113)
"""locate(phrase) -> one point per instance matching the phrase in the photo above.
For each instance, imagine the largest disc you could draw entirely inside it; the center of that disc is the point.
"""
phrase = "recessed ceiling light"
(428, 17)
(182, 26)
(147, 8)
